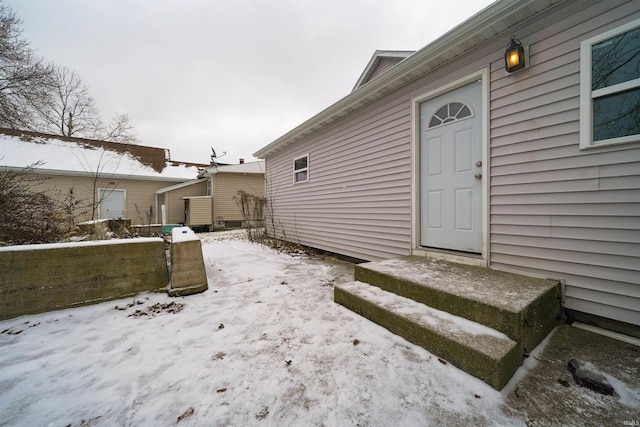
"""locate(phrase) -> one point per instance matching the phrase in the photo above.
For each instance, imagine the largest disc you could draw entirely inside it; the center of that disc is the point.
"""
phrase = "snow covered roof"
(250, 167)
(73, 156)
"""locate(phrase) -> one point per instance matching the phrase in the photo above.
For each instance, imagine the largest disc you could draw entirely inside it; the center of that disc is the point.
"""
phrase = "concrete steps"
(480, 320)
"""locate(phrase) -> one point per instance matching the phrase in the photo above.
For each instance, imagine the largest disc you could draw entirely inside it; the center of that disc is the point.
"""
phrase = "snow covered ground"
(265, 345)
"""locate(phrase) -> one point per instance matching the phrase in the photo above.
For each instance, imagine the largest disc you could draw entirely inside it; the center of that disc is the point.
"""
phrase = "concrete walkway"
(549, 396)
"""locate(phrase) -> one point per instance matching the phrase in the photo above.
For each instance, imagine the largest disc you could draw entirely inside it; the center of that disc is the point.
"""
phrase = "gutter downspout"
(156, 197)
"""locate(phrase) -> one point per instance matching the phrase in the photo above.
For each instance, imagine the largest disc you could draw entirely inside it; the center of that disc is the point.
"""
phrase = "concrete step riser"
(528, 326)
(496, 373)
(505, 322)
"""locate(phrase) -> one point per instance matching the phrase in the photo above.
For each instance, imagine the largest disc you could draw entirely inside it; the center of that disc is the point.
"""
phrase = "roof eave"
(60, 172)
(417, 64)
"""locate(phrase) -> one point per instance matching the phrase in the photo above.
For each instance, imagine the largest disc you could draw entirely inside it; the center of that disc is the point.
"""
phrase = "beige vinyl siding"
(174, 201)
(139, 193)
(226, 187)
(556, 210)
(59, 186)
(199, 211)
(140, 198)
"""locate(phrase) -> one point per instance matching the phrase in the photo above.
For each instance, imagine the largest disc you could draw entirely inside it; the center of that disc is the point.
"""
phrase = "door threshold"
(466, 258)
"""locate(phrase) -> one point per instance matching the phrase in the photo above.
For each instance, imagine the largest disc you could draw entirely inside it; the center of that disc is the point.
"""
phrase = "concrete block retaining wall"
(40, 278)
(188, 273)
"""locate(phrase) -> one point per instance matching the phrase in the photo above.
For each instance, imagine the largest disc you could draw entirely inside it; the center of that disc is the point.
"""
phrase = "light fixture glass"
(514, 55)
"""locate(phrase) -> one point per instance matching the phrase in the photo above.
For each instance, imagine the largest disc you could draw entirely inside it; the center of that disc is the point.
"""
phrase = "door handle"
(478, 176)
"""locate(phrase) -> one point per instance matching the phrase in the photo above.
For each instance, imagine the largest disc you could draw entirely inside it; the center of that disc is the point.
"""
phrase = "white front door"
(450, 170)
(111, 203)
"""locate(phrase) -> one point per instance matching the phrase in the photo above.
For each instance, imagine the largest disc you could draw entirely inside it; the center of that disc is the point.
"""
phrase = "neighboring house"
(171, 200)
(223, 182)
(535, 171)
(111, 180)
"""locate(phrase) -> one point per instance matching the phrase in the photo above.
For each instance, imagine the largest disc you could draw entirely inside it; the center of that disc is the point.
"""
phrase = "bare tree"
(252, 210)
(69, 110)
(47, 98)
(27, 215)
(100, 173)
(119, 129)
(24, 80)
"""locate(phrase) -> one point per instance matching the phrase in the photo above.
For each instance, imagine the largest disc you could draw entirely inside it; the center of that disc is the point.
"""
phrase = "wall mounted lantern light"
(514, 56)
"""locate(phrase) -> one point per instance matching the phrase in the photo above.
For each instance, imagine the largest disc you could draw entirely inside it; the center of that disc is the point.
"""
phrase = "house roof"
(483, 26)
(249, 167)
(180, 185)
(380, 62)
(77, 156)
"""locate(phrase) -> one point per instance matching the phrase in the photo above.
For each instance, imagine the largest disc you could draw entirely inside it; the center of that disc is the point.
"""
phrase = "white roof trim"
(58, 172)
(375, 60)
(483, 26)
(179, 186)
(249, 167)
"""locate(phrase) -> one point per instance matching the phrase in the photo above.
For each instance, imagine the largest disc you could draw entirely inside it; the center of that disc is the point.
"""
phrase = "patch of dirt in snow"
(151, 310)
(156, 309)
(18, 329)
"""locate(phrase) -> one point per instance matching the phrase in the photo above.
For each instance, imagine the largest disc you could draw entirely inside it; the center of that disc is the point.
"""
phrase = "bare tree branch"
(24, 80)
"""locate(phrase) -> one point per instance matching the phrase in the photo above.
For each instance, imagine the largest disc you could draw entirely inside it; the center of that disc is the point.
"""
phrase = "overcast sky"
(233, 75)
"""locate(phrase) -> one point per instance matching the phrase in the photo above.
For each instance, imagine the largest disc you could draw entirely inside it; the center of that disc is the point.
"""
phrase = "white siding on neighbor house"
(225, 189)
(198, 211)
(556, 210)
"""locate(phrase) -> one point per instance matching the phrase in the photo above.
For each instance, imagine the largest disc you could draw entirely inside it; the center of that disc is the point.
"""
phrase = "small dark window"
(301, 169)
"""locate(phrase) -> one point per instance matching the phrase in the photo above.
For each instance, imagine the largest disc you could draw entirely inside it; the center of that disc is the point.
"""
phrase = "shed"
(224, 183)
(197, 211)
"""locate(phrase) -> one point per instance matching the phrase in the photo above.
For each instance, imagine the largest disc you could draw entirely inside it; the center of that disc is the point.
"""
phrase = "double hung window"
(610, 87)
(301, 169)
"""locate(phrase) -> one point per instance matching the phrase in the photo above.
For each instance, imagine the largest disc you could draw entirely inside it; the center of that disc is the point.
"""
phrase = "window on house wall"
(610, 87)
(301, 169)
(111, 203)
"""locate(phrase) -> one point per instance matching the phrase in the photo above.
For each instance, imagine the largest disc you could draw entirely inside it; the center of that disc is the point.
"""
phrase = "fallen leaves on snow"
(156, 309)
(263, 413)
(186, 414)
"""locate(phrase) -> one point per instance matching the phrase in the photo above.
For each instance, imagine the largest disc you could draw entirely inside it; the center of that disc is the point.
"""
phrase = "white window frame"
(587, 95)
(111, 191)
(296, 171)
